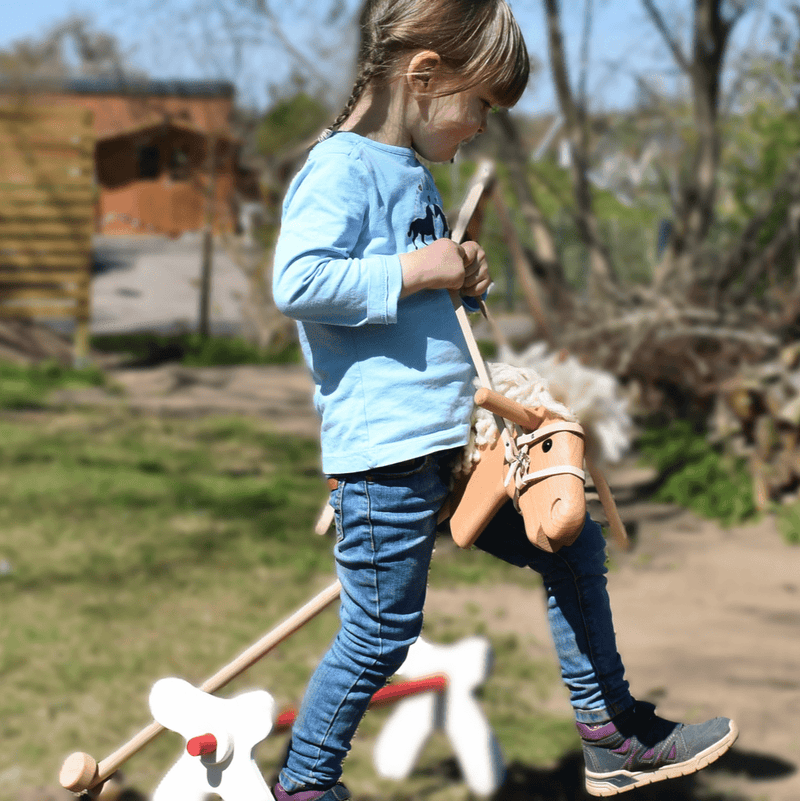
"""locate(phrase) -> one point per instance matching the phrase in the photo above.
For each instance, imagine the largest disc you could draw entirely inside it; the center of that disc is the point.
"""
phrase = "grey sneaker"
(638, 748)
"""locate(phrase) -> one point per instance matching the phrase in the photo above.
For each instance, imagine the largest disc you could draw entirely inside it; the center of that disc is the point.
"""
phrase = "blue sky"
(623, 43)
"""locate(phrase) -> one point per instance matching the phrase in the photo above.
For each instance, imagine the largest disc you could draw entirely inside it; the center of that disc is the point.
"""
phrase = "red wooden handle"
(385, 696)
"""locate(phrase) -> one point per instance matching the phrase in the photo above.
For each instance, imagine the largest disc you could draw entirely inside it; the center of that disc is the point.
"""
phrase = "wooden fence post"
(46, 214)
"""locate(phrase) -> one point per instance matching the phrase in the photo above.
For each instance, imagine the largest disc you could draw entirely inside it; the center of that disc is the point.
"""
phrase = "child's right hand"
(445, 265)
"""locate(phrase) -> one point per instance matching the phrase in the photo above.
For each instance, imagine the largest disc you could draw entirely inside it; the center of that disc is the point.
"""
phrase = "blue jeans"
(385, 531)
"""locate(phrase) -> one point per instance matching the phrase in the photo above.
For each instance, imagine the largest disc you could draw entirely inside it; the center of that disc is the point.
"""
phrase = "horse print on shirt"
(424, 227)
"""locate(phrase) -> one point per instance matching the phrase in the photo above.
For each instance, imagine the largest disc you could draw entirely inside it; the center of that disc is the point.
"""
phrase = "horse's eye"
(547, 445)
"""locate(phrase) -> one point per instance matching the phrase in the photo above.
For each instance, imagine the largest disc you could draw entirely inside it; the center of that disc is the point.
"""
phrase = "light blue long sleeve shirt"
(393, 377)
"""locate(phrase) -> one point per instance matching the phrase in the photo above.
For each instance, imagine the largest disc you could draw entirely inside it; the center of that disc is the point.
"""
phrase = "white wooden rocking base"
(222, 734)
(221, 738)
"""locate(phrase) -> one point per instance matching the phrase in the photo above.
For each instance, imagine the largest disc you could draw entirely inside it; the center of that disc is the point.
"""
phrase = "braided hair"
(478, 41)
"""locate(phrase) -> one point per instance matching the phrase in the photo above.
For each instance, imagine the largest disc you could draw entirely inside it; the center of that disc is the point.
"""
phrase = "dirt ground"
(708, 619)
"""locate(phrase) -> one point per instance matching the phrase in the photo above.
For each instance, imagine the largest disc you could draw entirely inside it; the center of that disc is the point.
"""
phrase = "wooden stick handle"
(80, 772)
(509, 409)
(481, 184)
(469, 337)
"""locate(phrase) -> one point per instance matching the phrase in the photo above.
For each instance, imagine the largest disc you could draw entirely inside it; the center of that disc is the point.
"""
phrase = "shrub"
(697, 474)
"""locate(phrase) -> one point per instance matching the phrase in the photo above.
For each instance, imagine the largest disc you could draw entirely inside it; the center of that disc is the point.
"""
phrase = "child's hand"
(476, 275)
(446, 265)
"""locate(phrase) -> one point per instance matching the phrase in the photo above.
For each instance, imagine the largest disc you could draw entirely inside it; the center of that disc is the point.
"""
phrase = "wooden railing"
(47, 206)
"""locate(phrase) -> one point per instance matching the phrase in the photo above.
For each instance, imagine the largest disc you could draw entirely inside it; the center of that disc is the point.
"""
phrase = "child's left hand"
(476, 273)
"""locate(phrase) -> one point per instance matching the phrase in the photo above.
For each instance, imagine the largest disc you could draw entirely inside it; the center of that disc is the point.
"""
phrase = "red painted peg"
(204, 744)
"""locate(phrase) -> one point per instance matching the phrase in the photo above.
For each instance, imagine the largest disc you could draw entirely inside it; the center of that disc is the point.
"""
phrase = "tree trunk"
(602, 276)
(546, 255)
(207, 257)
(698, 190)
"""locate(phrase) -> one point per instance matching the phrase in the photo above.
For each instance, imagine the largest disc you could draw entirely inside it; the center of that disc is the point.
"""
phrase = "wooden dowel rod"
(615, 524)
(111, 764)
(272, 638)
(481, 184)
(79, 772)
(469, 337)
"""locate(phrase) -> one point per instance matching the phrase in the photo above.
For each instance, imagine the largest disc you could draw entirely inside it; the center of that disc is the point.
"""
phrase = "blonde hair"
(478, 42)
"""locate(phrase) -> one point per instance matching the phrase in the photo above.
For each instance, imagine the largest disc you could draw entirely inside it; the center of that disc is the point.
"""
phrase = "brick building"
(155, 141)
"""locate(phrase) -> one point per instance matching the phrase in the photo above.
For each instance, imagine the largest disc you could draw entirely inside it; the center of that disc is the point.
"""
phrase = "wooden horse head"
(541, 470)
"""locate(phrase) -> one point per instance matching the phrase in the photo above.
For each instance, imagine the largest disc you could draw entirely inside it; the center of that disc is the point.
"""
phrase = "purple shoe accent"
(592, 733)
(672, 752)
(301, 795)
(623, 749)
(649, 754)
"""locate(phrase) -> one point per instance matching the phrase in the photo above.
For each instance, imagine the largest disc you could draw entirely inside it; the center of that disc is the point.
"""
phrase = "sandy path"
(708, 623)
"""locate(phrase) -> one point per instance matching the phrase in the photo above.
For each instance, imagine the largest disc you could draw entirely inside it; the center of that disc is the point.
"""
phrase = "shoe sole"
(620, 781)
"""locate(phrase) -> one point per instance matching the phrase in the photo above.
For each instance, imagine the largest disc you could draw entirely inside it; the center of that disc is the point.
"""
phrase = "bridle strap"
(517, 459)
(547, 472)
(545, 432)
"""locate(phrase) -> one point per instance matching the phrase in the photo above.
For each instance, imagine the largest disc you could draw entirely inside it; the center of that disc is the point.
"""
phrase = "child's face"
(447, 122)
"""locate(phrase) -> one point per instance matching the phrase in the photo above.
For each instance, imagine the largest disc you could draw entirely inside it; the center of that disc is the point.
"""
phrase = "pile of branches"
(716, 326)
(678, 352)
(757, 415)
(709, 312)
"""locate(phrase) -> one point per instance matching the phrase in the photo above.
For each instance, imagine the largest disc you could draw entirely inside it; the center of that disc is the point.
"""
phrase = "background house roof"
(122, 86)
(156, 123)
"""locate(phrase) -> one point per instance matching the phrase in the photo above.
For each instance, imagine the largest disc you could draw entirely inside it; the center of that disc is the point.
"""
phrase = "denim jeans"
(385, 532)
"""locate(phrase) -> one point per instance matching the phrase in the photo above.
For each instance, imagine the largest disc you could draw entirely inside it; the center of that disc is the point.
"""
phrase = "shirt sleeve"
(316, 277)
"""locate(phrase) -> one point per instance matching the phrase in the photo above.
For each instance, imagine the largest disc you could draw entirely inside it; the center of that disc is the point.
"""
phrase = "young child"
(363, 263)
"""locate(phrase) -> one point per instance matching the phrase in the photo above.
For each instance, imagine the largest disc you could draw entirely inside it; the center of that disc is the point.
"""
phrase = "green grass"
(27, 386)
(192, 350)
(139, 547)
(788, 518)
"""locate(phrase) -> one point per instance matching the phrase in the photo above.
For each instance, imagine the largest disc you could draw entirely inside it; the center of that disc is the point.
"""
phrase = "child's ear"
(424, 69)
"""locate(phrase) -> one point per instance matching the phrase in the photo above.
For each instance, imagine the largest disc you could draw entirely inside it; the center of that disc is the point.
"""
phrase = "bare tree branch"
(546, 253)
(697, 194)
(759, 267)
(586, 38)
(734, 263)
(669, 39)
(263, 8)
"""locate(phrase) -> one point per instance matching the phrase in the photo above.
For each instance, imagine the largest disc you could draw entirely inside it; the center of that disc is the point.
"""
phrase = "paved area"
(153, 284)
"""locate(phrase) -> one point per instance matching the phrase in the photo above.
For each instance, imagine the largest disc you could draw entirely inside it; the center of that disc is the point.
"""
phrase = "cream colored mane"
(564, 387)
